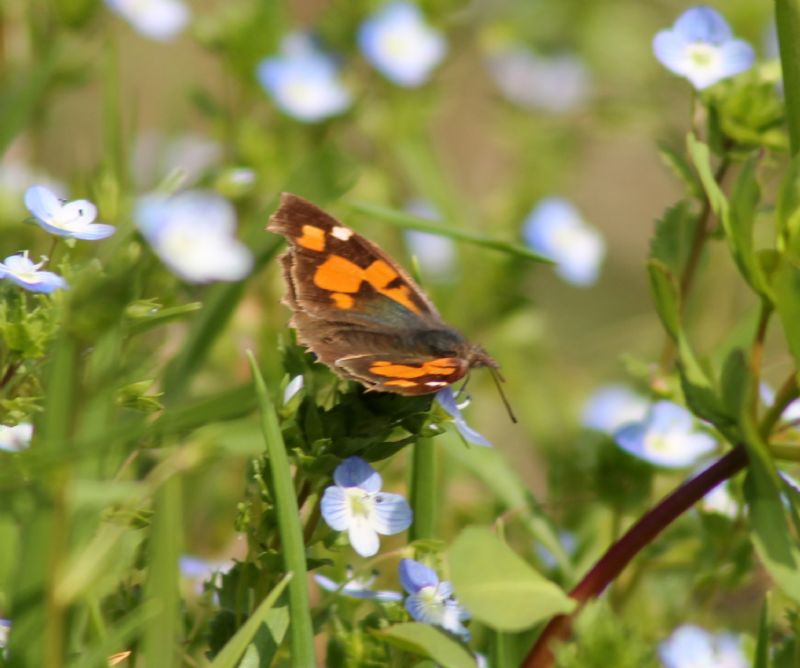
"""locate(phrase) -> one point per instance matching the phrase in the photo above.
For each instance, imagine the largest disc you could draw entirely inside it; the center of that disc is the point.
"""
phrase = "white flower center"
(703, 55)
(400, 43)
(361, 504)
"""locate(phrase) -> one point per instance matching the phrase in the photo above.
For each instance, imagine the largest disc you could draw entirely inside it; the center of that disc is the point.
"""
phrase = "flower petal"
(735, 56)
(414, 575)
(335, 509)
(356, 472)
(94, 232)
(702, 24)
(363, 537)
(447, 400)
(392, 514)
(42, 202)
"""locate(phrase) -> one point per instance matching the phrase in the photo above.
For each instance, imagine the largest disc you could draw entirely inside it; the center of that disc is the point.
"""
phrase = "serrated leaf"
(672, 241)
(680, 166)
(498, 587)
(426, 641)
(666, 295)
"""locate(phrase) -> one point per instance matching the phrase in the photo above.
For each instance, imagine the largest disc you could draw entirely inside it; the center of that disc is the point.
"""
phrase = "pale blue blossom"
(398, 42)
(5, 629)
(65, 219)
(303, 81)
(20, 269)
(355, 504)
(161, 20)
(358, 587)
(446, 398)
(557, 230)
(700, 47)
(556, 84)
(435, 253)
(193, 233)
(691, 646)
(198, 568)
(668, 436)
(612, 406)
(430, 600)
(17, 437)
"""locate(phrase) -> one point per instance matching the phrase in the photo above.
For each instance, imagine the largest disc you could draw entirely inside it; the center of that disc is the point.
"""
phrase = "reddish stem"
(626, 548)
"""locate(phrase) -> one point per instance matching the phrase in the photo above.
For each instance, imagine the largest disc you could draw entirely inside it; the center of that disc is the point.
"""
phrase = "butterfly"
(360, 313)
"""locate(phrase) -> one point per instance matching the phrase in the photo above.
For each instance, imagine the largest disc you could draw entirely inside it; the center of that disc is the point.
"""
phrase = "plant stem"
(624, 550)
(423, 490)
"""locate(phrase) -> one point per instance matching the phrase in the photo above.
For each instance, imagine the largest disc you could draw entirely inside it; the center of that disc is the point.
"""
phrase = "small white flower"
(666, 437)
(303, 81)
(612, 407)
(21, 270)
(5, 628)
(701, 47)
(556, 230)
(65, 219)
(398, 42)
(556, 84)
(157, 156)
(431, 601)
(16, 438)
(356, 505)
(193, 233)
(691, 646)
(161, 20)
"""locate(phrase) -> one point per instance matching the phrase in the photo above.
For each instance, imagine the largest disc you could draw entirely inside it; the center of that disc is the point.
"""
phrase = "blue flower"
(161, 20)
(666, 437)
(556, 230)
(720, 501)
(613, 406)
(691, 646)
(556, 84)
(303, 81)
(193, 233)
(21, 270)
(447, 400)
(431, 601)
(16, 438)
(355, 504)
(5, 628)
(701, 47)
(65, 219)
(358, 587)
(398, 43)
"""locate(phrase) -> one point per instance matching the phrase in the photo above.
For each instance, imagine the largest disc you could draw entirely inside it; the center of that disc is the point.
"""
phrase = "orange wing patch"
(399, 382)
(313, 238)
(340, 275)
(342, 300)
(441, 367)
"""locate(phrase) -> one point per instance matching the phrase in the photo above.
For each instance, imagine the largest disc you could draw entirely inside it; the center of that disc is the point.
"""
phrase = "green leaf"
(408, 221)
(786, 288)
(736, 383)
(498, 587)
(666, 293)
(676, 161)
(787, 209)
(424, 640)
(769, 530)
(674, 234)
(737, 216)
(762, 657)
(289, 527)
(229, 655)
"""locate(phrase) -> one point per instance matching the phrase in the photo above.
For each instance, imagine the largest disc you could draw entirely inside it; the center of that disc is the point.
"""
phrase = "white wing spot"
(342, 233)
(436, 383)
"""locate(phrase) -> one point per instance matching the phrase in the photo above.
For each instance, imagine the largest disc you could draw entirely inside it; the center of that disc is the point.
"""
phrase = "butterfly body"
(361, 313)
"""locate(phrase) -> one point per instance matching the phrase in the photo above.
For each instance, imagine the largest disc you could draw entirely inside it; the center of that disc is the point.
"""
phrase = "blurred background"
(526, 102)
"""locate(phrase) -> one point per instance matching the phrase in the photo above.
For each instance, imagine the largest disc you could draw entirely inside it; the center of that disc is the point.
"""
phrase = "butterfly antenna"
(498, 379)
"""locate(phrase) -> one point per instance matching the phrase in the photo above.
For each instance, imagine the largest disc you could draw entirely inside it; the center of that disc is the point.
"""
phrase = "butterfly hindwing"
(404, 374)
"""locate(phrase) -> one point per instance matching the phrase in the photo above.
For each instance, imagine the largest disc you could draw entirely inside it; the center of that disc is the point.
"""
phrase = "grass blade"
(291, 533)
(407, 221)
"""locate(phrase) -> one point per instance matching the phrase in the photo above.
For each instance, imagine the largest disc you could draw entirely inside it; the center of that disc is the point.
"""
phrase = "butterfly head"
(477, 357)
